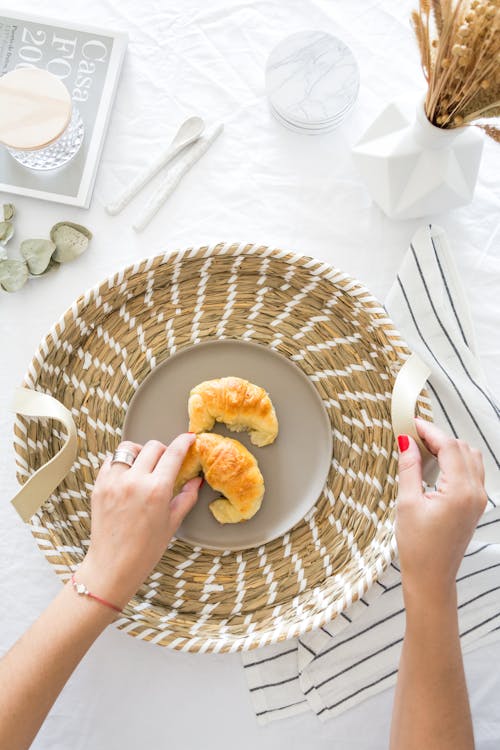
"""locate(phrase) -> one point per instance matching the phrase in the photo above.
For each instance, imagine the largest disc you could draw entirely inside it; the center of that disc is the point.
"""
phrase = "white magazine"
(88, 60)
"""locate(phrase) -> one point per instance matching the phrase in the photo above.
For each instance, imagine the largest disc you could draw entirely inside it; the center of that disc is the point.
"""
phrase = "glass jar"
(39, 125)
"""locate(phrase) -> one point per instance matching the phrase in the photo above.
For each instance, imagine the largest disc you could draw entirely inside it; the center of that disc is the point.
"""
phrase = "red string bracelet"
(82, 590)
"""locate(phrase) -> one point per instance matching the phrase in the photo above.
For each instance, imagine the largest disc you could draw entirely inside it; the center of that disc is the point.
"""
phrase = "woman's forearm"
(431, 706)
(35, 670)
(134, 516)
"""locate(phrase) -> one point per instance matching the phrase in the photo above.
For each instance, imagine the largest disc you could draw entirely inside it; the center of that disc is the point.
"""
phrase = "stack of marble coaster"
(312, 81)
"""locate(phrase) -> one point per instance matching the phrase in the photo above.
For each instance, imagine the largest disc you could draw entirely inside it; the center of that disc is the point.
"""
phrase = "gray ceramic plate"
(294, 467)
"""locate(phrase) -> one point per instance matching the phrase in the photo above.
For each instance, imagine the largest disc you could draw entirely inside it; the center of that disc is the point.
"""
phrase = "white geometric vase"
(413, 168)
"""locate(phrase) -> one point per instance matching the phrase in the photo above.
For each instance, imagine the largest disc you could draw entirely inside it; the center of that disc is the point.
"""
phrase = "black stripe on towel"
(270, 658)
(488, 523)
(457, 391)
(396, 585)
(274, 684)
(441, 405)
(480, 549)
(307, 647)
(476, 572)
(361, 661)
(438, 261)
(360, 632)
(279, 708)
(479, 596)
(357, 692)
(475, 627)
(457, 353)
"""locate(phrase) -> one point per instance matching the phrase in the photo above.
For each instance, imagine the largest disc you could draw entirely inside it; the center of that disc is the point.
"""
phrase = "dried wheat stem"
(480, 113)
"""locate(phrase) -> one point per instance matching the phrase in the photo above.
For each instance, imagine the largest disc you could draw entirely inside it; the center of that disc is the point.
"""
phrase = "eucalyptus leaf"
(8, 211)
(71, 240)
(37, 254)
(53, 264)
(6, 231)
(13, 274)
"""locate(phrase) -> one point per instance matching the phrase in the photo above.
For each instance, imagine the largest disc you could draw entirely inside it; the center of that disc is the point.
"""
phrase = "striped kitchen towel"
(356, 655)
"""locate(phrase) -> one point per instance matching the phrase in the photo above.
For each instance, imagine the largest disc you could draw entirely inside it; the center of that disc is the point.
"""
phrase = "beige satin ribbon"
(43, 482)
(409, 382)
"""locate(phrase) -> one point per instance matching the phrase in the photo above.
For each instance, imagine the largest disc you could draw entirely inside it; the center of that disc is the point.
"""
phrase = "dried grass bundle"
(459, 43)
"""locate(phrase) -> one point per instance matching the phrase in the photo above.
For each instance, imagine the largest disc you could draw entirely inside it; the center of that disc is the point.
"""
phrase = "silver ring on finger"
(123, 456)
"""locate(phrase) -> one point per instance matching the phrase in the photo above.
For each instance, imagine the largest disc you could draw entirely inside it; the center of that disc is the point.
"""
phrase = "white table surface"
(258, 183)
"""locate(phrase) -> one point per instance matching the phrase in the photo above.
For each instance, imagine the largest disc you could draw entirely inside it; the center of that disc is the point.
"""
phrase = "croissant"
(239, 404)
(231, 470)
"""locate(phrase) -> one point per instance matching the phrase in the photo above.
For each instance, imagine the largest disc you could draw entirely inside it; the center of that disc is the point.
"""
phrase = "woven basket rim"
(315, 267)
(289, 256)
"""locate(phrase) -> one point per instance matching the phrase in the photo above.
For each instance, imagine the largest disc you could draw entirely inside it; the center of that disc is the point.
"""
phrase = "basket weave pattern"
(331, 327)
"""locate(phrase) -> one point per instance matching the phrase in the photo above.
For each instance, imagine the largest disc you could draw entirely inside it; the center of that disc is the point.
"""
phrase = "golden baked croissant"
(239, 404)
(230, 469)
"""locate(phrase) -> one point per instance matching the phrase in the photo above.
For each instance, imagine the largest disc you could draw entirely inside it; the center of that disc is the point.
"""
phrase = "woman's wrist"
(429, 601)
(86, 609)
(103, 582)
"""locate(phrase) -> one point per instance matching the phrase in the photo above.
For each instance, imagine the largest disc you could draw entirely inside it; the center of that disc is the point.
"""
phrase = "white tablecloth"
(259, 183)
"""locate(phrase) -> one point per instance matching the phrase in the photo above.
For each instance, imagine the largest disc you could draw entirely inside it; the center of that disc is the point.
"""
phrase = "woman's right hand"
(134, 516)
(433, 529)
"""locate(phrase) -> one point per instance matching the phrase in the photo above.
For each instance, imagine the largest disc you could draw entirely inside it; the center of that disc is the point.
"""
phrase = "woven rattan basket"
(332, 328)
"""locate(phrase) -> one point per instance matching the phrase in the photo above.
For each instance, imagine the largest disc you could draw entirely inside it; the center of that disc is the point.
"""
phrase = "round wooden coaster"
(35, 108)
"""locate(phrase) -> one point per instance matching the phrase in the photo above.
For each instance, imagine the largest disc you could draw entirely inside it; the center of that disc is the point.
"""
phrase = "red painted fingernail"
(191, 433)
(403, 442)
